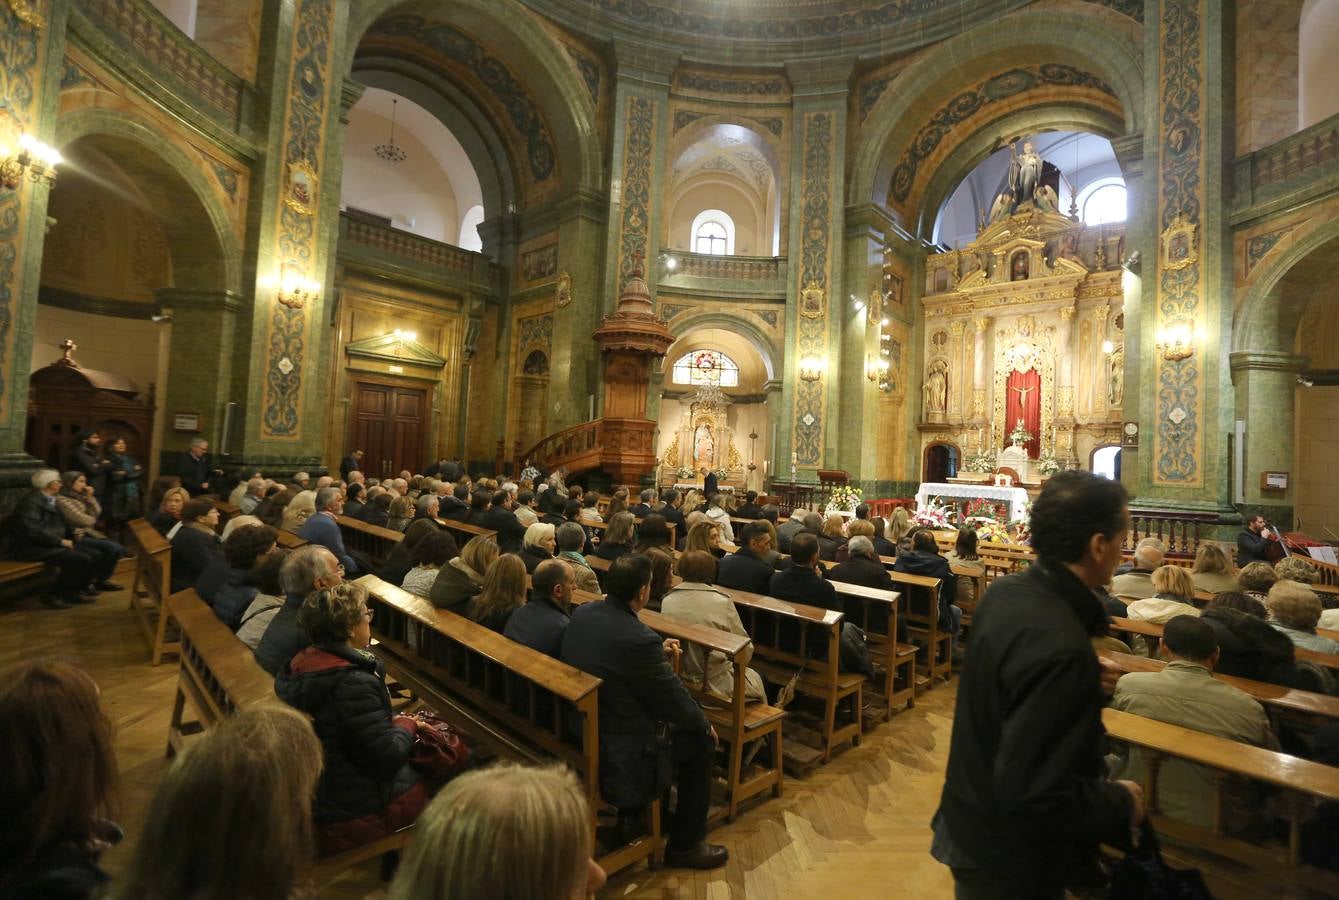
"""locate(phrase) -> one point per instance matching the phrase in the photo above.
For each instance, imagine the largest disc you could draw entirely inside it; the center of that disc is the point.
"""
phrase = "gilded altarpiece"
(1034, 304)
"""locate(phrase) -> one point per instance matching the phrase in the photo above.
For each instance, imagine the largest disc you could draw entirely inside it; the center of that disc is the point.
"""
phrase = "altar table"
(1016, 497)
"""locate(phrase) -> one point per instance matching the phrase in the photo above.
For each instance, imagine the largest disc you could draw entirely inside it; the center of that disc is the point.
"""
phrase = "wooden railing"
(577, 448)
(1180, 531)
(792, 495)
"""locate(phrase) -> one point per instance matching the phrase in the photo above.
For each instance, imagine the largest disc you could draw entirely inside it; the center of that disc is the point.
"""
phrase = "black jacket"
(453, 508)
(1252, 648)
(638, 691)
(749, 511)
(641, 510)
(1026, 793)
(931, 565)
(283, 637)
(510, 532)
(1251, 547)
(194, 473)
(612, 552)
(366, 754)
(709, 485)
(744, 570)
(539, 625)
(884, 547)
(94, 467)
(453, 590)
(227, 591)
(674, 516)
(800, 584)
(346, 465)
(533, 556)
(355, 509)
(37, 528)
(828, 547)
(64, 871)
(193, 551)
(863, 571)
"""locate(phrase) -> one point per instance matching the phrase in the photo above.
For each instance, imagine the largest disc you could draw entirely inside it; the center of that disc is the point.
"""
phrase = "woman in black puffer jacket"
(1250, 648)
(367, 789)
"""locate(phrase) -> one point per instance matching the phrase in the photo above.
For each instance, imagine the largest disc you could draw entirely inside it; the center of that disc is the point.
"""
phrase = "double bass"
(1276, 548)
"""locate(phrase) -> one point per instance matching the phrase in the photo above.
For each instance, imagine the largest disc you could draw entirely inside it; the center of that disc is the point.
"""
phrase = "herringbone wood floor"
(856, 828)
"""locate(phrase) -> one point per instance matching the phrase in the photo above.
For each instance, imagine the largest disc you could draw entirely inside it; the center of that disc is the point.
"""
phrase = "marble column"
(574, 364)
(981, 368)
(959, 399)
(34, 48)
(1265, 383)
(205, 372)
(1064, 376)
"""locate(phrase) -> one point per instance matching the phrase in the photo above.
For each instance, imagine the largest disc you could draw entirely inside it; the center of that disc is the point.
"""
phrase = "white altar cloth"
(1016, 496)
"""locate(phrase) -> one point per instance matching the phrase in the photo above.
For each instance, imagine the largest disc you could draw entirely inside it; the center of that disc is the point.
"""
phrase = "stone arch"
(169, 170)
(564, 99)
(1066, 36)
(697, 320)
(1267, 315)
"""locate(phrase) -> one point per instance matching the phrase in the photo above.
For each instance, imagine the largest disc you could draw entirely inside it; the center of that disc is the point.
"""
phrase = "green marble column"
(817, 303)
(32, 48)
(574, 373)
(202, 363)
(1265, 383)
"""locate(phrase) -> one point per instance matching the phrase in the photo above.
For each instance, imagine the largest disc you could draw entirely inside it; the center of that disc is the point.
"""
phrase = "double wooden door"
(390, 425)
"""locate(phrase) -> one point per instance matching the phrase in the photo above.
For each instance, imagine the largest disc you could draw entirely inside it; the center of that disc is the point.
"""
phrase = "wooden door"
(389, 424)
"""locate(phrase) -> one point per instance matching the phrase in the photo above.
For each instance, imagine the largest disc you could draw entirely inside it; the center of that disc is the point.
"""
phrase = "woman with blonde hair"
(704, 536)
(899, 524)
(168, 512)
(233, 815)
(1256, 579)
(1295, 609)
(503, 592)
(1212, 571)
(509, 832)
(1173, 592)
(301, 508)
(462, 579)
(693, 502)
(833, 538)
(539, 543)
(617, 538)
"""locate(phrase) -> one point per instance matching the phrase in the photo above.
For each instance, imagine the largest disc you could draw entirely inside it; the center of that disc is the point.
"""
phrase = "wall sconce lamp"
(39, 160)
(876, 369)
(811, 368)
(670, 263)
(1176, 341)
(295, 291)
(1107, 348)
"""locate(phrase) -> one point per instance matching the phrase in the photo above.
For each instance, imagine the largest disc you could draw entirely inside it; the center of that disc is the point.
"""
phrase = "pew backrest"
(372, 541)
(220, 673)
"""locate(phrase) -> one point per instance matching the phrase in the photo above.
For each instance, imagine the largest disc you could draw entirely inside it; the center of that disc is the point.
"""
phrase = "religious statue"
(1029, 173)
(1018, 266)
(704, 447)
(1116, 382)
(936, 387)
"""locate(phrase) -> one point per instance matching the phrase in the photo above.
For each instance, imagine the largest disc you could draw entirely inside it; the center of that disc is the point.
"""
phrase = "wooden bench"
(599, 527)
(152, 584)
(737, 722)
(371, 541)
(875, 611)
(288, 540)
(977, 574)
(463, 532)
(219, 674)
(1154, 632)
(15, 570)
(520, 703)
(226, 511)
(921, 609)
(1301, 782)
(783, 634)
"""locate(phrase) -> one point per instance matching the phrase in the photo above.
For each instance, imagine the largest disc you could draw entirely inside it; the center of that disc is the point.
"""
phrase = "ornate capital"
(982, 324)
(957, 328)
(1066, 313)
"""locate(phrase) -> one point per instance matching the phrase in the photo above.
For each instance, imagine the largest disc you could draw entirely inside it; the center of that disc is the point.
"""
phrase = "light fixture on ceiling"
(391, 151)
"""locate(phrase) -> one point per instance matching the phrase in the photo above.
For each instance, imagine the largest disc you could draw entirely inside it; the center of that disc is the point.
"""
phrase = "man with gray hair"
(1138, 582)
(862, 566)
(194, 469)
(299, 482)
(786, 531)
(307, 569)
(322, 528)
(643, 509)
(247, 503)
(39, 534)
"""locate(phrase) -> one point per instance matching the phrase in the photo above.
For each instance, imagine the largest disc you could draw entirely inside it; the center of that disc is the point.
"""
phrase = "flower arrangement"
(981, 462)
(981, 508)
(989, 529)
(934, 514)
(844, 498)
(1048, 465)
(684, 472)
(720, 474)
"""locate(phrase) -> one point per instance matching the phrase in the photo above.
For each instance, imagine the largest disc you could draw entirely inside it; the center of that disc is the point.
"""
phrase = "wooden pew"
(1277, 700)
(463, 532)
(1150, 630)
(219, 674)
(1301, 782)
(875, 611)
(288, 540)
(371, 541)
(921, 609)
(522, 704)
(737, 722)
(782, 635)
(226, 512)
(977, 573)
(15, 569)
(599, 527)
(153, 578)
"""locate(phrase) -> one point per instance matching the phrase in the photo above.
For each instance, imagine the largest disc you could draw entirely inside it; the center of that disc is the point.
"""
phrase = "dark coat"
(1252, 648)
(397, 564)
(641, 510)
(610, 551)
(828, 547)
(453, 590)
(452, 508)
(709, 485)
(510, 532)
(355, 509)
(37, 528)
(800, 584)
(162, 522)
(533, 556)
(884, 547)
(322, 529)
(194, 473)
(1026, 794)
(1251, 547)
(638, 692)
(227, 591)
(749, 511)
(346, 465)
(539, 625)
(674, 516)
(744, 570)
(863, 571)
(94, 467)
(931, 565)
(366, 754)
(193, 551)
(283, 637)
(64, 871)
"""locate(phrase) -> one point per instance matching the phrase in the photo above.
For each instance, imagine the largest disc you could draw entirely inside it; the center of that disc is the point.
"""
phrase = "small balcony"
(763, 277)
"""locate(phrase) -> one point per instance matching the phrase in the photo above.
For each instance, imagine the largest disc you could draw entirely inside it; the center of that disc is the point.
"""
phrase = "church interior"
(910, 254)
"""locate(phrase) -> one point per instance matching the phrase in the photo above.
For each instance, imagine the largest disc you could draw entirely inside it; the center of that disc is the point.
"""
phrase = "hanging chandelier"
(391, 151)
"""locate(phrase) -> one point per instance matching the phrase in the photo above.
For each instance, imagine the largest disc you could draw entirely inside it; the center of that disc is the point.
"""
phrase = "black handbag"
(1144, 875)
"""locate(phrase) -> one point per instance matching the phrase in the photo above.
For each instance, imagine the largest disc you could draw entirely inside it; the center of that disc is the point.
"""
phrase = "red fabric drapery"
(1023, 400)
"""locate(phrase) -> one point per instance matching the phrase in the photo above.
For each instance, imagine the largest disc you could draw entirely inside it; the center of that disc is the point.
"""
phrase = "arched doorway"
(940, 463)
(532, 391)
(1105, 461)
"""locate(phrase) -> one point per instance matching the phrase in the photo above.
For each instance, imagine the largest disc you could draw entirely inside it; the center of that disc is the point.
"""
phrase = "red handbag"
(439, 751)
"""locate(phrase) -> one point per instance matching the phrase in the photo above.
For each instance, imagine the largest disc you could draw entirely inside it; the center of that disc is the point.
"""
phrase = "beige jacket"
(1138, 585)
(701, 604)
(1187, 694)
(1214, 582)
(1157, 611)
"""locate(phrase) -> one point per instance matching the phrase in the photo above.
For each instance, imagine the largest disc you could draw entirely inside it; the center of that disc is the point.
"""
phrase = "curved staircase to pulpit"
(623, 448)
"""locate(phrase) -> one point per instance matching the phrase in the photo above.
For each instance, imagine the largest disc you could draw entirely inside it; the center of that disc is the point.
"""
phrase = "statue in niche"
(704, 447)
(1018, 266)
(1116, 378)
(936, 387)
(1024, 173)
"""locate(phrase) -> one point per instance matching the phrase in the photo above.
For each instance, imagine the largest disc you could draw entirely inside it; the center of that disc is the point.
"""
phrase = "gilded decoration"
(26, 12)
(639, 135)
(1177, 442)
(20, 85)
(563, 295)
(815, 264)
(297, 233)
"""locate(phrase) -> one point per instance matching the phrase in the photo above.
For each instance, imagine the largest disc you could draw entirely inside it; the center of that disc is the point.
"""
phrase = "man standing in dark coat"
(88, 459)
(194, 468)
(351, 463)
(646, 714)
(1026, 803)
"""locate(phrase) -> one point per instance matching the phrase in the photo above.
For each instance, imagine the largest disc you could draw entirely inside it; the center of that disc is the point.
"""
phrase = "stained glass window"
(706, 367)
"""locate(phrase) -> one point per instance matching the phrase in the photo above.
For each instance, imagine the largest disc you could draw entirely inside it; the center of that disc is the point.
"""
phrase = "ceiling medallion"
(390, 151)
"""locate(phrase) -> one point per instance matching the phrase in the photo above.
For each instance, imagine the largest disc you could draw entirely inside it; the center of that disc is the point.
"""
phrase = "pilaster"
(201, 359)
(1265, 382)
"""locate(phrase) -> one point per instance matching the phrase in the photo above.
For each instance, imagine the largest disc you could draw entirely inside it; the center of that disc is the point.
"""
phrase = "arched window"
(1103, 201)
(706, 367)
(714, 233)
